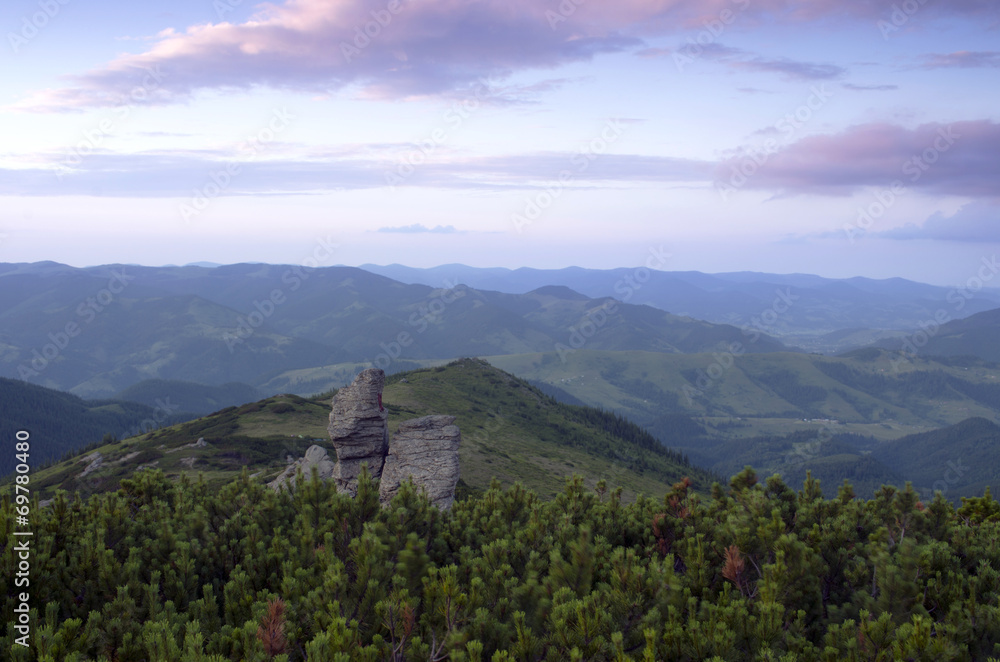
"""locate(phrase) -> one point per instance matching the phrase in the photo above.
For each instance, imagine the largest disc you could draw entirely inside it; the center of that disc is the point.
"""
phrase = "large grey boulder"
(316, 456)
(358, 429)
(425, 449)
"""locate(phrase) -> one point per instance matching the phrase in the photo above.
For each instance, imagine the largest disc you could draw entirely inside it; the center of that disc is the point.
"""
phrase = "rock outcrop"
(358, 429)
(316, 456)
(94, 462)
(425, 449)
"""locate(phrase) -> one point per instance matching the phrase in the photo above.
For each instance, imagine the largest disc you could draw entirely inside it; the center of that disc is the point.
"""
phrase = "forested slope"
(754, 572)
(67, 423)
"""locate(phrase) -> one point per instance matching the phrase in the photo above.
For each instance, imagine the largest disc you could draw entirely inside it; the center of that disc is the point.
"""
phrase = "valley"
(723, 395)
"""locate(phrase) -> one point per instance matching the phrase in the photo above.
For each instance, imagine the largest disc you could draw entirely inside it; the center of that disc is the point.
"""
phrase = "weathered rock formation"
(425, 449)
(358, 429)
(316, 456)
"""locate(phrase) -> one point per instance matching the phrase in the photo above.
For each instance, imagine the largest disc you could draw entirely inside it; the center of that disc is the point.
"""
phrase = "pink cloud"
(951, 159)
(400, 48)
(963, 60)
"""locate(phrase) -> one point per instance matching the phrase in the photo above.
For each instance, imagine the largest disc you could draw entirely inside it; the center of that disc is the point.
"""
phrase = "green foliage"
(756, 572)
(977, 510)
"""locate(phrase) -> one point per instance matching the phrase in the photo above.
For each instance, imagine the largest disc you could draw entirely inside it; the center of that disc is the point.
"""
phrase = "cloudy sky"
(839, 137)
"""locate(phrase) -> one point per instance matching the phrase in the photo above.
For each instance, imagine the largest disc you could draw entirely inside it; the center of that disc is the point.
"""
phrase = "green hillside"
(960, 460)
(62, 423)
(851, 417)
(511, 432)
(828, 457)
(975, 335)
(748, 395)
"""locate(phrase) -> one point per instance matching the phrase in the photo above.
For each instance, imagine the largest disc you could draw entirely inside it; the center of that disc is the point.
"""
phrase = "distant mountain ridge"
(99, 330)
(821, 305)
(977, 335)
(189, 396)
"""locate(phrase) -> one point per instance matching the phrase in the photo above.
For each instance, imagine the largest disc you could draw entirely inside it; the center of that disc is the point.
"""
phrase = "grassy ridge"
(511, 431)
(514, 432)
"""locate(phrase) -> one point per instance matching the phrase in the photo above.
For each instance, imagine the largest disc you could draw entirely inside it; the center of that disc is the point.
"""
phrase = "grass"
(767, 392)
(510, 432)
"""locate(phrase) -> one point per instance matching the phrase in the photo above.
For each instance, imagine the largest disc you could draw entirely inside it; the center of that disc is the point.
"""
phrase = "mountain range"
(822, 314)
(213, 338)
(98, 330)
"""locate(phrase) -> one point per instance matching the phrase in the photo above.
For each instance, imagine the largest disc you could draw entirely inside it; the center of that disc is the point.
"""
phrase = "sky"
(836, 137)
